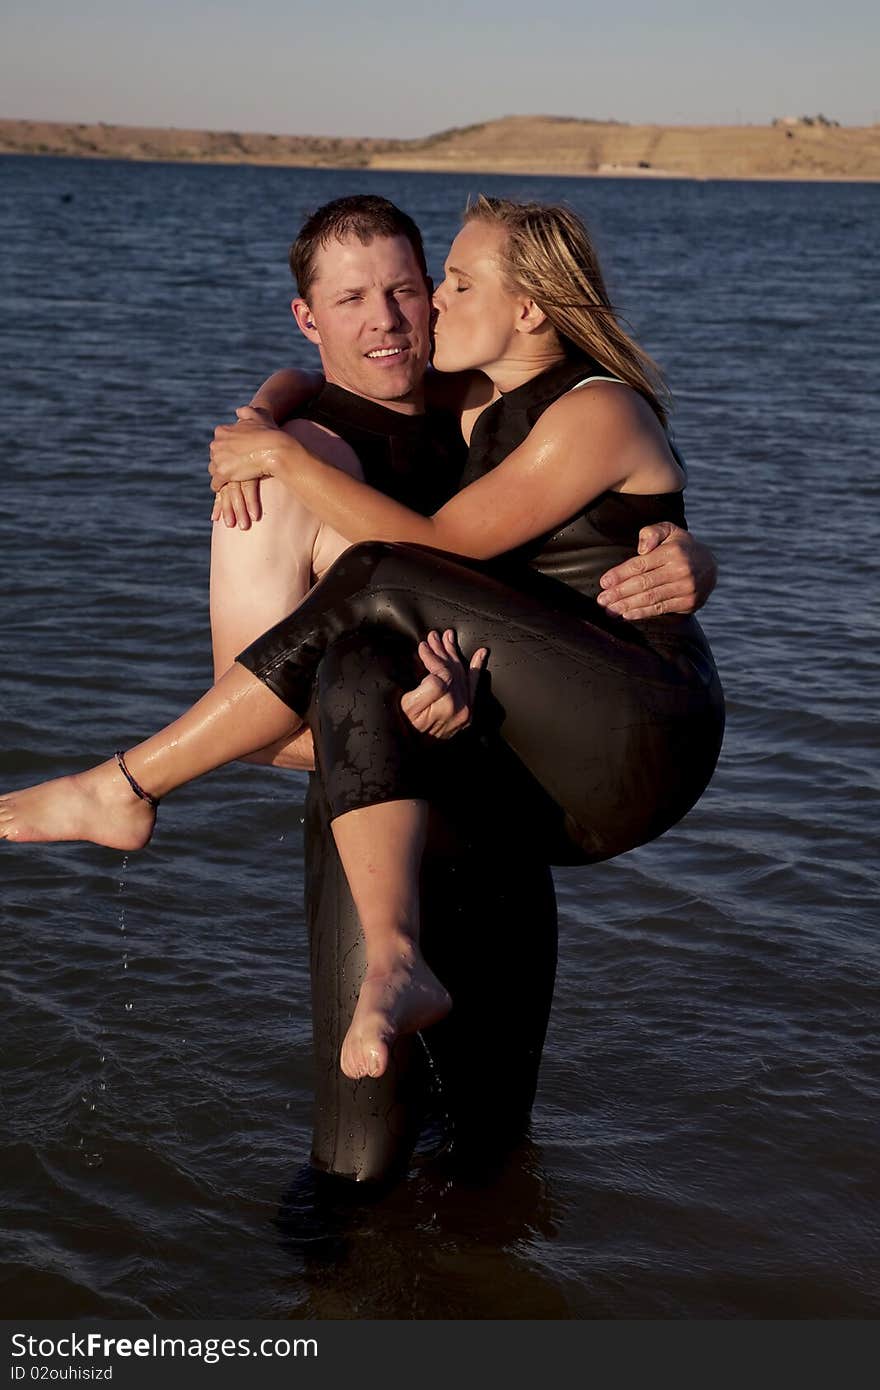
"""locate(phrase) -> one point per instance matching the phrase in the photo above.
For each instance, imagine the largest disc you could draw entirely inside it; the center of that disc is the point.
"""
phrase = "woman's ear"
(530, 317)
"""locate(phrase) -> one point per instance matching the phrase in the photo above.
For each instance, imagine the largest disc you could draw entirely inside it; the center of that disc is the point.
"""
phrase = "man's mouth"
(378, 353)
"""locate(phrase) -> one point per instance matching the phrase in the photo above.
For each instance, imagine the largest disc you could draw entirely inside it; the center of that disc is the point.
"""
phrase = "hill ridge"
(806, 148)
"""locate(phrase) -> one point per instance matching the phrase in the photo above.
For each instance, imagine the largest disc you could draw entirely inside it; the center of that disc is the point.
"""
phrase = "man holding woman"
(371, 327)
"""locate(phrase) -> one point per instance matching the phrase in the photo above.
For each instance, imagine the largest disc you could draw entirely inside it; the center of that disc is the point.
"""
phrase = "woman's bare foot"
(401, 997)
(97, 805)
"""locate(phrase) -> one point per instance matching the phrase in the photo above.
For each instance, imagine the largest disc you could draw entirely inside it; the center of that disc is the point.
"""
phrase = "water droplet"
(102, 1085)
(93, 1160)
(129, 1007)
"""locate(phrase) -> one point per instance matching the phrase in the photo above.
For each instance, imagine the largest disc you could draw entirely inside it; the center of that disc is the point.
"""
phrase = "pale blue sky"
(338, 67)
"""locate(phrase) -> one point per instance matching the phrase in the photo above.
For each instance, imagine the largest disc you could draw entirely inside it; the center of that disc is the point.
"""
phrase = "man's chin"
(394, 383)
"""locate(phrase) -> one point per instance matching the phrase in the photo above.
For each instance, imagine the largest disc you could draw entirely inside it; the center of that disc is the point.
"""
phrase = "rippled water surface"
(706, 1139)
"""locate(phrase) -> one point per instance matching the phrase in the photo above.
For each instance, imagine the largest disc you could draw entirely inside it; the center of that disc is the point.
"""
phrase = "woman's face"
(476, 315)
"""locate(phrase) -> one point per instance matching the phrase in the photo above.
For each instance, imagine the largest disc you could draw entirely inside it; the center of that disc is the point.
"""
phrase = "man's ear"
(304, 321)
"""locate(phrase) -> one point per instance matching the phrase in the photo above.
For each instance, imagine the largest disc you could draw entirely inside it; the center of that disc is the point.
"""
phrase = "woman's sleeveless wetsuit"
(605, 733)
(487, 916)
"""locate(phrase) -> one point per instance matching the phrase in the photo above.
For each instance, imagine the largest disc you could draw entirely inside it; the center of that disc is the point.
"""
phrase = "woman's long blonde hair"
(548, 256)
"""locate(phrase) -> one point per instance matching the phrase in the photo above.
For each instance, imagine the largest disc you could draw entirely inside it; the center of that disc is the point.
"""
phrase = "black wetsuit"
(614, 727)
(485, 916)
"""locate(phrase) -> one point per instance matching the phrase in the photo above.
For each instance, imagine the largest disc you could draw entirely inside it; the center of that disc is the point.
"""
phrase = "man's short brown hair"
(361, 215)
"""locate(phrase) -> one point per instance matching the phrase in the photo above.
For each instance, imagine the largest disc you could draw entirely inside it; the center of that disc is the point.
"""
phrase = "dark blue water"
(706, 1139)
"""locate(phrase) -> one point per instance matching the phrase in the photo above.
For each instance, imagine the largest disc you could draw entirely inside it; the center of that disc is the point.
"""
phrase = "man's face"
(369, 311)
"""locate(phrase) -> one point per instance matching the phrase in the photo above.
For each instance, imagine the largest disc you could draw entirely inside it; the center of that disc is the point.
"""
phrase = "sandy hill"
(799, 149)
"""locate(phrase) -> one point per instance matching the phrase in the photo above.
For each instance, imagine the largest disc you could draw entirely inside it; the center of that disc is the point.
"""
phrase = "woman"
(606, 733)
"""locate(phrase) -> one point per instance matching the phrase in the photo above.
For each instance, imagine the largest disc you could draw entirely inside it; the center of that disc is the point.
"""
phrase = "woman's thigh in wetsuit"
(619, 735)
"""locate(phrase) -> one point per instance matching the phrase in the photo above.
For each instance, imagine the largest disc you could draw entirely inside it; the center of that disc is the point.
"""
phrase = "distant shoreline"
(809, 150)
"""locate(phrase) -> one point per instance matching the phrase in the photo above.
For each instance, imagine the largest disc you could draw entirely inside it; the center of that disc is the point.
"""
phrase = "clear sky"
(399, 68)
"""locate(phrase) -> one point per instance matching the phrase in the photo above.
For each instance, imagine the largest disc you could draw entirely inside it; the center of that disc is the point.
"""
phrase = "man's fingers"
(644, 573)
(426, 693)
(663, 598)
(665, 575)
(441, 704)
(478, 661)
(630, 569)
(652, 536)
(443, 646)
(634, 569)
(435, 658)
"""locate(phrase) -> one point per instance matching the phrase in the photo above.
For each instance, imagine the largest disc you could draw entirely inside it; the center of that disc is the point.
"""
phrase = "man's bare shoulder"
(327, 445)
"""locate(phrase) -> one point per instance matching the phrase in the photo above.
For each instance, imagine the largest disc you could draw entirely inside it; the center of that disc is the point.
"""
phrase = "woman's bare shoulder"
(612, 419)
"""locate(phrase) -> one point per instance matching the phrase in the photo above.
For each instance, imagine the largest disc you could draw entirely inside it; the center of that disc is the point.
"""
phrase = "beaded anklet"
(135, 786)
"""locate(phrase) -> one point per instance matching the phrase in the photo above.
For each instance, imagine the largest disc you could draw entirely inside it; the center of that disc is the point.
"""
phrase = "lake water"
(706, 1138)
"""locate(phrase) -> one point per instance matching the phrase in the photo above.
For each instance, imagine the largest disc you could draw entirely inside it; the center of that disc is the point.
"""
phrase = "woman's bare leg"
(380, 848)
(237, 716)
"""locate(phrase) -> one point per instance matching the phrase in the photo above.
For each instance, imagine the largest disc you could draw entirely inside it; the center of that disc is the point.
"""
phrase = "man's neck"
(412, 404)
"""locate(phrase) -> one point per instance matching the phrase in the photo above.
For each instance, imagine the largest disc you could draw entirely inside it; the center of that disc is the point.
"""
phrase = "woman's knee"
(365, 557)
(376, 563)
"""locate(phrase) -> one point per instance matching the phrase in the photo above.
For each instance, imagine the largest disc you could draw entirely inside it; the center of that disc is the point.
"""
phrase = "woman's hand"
(245, 450)
(238, 504)
(443, 703)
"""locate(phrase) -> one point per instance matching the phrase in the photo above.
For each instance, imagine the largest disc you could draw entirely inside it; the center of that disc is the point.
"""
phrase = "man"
(364, 302)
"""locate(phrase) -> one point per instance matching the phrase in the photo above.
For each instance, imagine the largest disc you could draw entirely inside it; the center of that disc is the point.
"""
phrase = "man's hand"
(672, 573)
(444, 701)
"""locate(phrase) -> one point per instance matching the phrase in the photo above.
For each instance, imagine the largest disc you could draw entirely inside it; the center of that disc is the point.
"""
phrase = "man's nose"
(387, 312)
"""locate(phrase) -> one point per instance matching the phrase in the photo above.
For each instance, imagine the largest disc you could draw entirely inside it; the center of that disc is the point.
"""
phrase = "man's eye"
(460, 289)
(350, 299)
